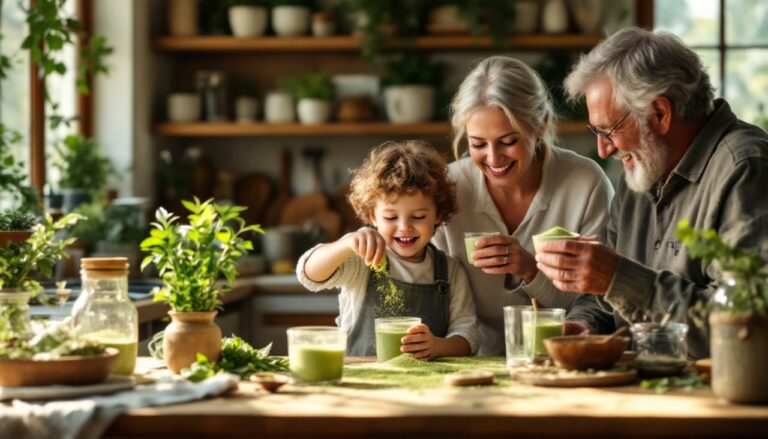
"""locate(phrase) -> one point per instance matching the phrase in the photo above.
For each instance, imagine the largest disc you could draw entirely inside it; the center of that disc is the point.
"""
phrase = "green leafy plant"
(60, 341)
(16, 219)
(38, 254)
(50, 32)
(82, 164)
(115, 224)
(312, 86)
(412, 68)
(191, 257)
(238, 357)
(751, 295)
(13, 175)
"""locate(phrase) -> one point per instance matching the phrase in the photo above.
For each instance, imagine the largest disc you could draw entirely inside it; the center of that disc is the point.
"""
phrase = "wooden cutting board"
(275, 208)
(253, 191)
(314, 205)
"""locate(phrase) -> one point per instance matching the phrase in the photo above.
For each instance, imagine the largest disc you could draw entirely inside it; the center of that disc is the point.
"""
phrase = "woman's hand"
(420, 342)
(369, 244)
(502, 254)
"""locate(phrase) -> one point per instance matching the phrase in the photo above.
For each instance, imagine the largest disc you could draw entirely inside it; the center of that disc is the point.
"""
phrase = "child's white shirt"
(352, 279)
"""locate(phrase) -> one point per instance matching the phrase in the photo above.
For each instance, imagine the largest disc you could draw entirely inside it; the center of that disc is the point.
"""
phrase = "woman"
(512, 179)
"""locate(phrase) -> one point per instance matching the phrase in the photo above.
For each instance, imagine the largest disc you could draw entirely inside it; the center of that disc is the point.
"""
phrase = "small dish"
(269, 381)
(478, 377)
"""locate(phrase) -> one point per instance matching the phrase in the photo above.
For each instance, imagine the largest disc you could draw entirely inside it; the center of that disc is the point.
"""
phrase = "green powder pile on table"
(406, 372)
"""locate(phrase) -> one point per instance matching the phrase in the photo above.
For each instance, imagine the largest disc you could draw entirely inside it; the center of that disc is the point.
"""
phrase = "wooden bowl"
(581, 352)
(76, 370)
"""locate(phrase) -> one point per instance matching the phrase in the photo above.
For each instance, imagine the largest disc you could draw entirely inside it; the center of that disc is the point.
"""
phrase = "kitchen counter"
(516, 410)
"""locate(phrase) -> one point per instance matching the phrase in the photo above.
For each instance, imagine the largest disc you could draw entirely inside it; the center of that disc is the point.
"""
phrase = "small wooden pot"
(188, 334)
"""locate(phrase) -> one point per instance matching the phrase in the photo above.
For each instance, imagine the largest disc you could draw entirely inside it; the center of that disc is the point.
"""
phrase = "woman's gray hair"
(510, 85)
(641, 66)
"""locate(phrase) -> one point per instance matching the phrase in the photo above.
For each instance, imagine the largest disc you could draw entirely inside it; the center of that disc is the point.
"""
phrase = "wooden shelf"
(352, 43)
(229, 129)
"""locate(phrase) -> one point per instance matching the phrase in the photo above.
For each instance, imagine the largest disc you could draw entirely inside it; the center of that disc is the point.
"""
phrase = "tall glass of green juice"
(538, 326)
(316, 353)
(389, 332)
(128, 349)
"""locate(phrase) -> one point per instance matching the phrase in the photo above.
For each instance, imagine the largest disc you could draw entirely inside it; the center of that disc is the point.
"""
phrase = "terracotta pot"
(739, 347)
(13, 236)
(188, 334)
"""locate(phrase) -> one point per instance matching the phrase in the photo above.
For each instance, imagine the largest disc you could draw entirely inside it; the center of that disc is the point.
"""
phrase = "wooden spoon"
(608, 338)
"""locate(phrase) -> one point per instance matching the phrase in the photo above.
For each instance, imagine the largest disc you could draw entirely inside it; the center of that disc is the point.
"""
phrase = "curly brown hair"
(396, 168)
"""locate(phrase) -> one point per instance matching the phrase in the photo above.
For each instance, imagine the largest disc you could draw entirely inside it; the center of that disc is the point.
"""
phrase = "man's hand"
(583, 265)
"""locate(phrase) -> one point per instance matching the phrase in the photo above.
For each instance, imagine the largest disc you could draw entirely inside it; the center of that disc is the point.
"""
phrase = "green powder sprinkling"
(392, 299)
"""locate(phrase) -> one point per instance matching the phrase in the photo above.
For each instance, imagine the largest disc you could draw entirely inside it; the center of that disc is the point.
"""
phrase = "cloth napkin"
(90, 417)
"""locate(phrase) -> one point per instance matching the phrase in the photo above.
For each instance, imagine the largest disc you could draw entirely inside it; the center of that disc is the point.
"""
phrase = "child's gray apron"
(428, 301)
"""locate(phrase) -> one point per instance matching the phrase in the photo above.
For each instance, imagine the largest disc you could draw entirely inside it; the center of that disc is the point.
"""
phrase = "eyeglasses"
(607, 134)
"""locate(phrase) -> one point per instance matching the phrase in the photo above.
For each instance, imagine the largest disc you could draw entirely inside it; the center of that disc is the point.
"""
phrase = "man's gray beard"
(650, 159)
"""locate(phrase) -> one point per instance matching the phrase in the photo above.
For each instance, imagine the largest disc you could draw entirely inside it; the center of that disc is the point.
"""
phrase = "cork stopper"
(115, 266)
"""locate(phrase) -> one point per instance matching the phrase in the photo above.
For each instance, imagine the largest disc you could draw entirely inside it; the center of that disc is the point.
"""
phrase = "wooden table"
(513, 411)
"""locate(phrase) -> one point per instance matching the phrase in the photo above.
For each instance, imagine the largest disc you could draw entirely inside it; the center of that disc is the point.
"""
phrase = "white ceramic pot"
(182, 17)
(554, 17)
(409, 103)
(314, 111)
(246, 108)
(248, 21)
(290, 21)
(526, 17)
(588, 14)
(279, 108)
(184, 107)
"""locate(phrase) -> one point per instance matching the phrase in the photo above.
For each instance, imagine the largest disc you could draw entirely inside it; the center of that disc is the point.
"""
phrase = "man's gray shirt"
(720, 183)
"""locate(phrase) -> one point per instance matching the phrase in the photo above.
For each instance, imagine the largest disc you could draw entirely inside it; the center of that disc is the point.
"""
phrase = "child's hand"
(420, 342)
(369, 244)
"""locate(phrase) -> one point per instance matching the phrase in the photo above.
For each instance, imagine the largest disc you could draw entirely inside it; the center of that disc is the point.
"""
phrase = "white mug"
(279, 108)
(184, 107)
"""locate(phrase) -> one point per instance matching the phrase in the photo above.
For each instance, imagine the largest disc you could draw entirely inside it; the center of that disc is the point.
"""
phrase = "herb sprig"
(238, 357)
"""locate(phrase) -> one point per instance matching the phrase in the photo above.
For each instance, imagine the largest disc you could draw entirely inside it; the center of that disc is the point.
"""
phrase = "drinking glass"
(389, 331)
(316, 353)
(540, 325)
(513, 336)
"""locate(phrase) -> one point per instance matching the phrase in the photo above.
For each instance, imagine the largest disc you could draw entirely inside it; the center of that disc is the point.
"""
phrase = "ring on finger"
(506, 260)
(506, 247)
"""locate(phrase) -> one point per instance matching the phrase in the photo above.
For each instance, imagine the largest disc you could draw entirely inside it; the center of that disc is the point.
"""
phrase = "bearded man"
(685, 156)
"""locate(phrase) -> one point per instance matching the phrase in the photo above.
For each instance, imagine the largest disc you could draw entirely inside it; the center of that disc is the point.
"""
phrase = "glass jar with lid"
(104, 313)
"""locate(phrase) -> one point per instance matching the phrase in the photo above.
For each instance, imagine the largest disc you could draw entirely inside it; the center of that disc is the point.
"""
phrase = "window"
(14, 89)
(731, 36)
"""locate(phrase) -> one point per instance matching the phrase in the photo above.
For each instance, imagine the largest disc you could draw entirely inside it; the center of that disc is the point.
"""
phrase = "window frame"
(84, 104)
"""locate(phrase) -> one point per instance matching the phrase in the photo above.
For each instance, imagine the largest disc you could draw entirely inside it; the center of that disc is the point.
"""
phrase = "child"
(403, 192)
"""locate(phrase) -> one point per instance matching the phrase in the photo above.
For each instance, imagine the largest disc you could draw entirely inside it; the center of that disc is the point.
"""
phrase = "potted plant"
(114, 229)
(191, 258)
(83, 170)
(19, 261)
(410, 92)
(15, 226)
(314, 93)
(290, 18)
(247, 18)
(738, 316)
